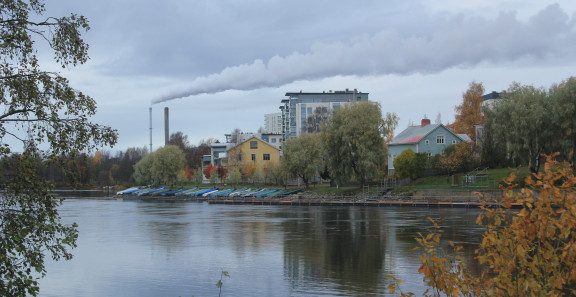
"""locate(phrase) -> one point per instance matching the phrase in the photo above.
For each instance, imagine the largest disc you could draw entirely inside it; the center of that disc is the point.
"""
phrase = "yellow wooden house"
(253, 155)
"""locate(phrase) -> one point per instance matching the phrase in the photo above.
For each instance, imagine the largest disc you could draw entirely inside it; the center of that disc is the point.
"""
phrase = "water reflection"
(354, 248)
(136, 248)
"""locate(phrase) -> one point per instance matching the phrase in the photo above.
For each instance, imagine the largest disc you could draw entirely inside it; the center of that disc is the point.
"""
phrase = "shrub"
(531, 252)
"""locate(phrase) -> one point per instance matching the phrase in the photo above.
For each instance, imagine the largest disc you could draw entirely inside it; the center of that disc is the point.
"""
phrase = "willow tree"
(142, 173)
(354, 143)
(303, 157)
(42, 118)
(523, 119)
(162, 167)
(563, 97)
(168, 164)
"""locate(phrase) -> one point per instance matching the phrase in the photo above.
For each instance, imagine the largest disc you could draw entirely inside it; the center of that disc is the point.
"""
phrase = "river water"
(136, 248)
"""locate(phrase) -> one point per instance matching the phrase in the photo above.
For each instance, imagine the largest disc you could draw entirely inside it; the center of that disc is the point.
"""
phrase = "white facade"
(273, 123)
(295, 108)
(274, 139)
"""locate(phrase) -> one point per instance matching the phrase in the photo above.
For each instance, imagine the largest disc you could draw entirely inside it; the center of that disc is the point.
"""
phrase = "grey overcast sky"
(222, 64)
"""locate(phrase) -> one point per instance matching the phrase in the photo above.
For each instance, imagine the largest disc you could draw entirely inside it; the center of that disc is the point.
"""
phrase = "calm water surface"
(134, 248)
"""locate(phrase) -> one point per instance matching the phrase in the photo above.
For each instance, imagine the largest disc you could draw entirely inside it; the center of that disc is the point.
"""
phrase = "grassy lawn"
(490, 181)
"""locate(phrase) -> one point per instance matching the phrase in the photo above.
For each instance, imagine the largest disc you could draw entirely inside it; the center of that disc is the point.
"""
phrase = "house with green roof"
(428, 138)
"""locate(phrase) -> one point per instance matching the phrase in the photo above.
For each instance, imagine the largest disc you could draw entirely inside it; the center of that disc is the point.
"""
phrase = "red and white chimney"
(425, 122)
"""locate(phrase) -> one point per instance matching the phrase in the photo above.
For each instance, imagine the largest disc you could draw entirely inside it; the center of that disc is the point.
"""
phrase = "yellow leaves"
(529, 253)
(97, 157)
(520, 251)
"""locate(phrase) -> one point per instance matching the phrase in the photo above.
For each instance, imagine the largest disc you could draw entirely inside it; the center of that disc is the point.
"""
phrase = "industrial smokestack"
(166, 126)
(150, 129)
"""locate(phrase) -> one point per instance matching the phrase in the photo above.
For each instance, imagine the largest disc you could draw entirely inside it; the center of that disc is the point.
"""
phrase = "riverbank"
(423, 198)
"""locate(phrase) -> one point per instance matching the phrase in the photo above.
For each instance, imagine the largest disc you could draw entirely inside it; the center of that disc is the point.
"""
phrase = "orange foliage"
(97, 157)
(188, 172)
(469, 113)
(208, 170)
(248, 170)
(531, 252)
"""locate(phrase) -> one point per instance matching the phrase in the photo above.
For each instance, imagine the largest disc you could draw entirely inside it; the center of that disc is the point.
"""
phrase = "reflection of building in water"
(340, 247)
(304, 246)
(252, 236)
(352, 249)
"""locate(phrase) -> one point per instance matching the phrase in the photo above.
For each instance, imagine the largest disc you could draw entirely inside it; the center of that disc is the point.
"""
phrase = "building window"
(266, 157)
(427, 142)
(453, 141)
(440, 139)
(273, 140)
(239, 157)
(253, 144)
(253, 157)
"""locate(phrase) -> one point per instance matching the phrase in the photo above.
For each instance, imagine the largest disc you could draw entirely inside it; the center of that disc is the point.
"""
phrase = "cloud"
(458, 41)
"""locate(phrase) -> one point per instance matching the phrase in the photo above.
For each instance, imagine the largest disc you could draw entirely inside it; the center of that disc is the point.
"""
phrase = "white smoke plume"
(448, 43)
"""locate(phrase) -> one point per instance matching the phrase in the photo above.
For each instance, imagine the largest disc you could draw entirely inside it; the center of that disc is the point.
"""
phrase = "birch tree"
(469, 113)
(42, 117)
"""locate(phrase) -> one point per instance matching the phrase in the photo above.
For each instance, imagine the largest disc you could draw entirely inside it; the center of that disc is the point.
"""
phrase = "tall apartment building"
(273, 123)
(302, 112)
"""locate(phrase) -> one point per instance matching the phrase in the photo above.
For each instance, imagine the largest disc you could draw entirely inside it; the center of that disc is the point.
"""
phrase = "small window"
(440, 139)
(273, 140)
(266, 157)
(253, 157)
(239, 157)
(427, 142)
(253, 144)
(453, 141)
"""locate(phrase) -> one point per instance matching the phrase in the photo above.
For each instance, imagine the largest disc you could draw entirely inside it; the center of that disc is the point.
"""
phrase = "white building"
(273, 123)
(301, 110)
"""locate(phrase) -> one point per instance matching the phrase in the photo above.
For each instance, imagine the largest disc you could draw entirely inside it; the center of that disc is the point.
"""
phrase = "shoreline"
(428, 198)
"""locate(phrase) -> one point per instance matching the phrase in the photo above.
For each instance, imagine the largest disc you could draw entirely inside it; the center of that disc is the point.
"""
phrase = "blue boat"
(239, 192)
(128, 191)
(222, 193)
(266, 193)
(201, 192)
(188, 191)
(215, 190)
(153, 192)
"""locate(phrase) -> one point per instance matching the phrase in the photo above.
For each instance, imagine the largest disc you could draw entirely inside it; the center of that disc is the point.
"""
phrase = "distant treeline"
(103, 168)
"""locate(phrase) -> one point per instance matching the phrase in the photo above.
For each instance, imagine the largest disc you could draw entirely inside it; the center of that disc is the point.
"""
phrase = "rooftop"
(413, 134)
(347, 91)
